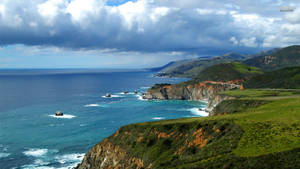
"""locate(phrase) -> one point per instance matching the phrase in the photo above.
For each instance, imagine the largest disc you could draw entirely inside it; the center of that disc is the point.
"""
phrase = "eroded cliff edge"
(203, 91)
(167, 144)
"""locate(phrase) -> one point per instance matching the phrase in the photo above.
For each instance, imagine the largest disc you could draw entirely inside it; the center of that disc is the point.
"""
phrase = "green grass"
(284, 78)
(259, 93)
(273, 127)
(246, 69)
(226, 72)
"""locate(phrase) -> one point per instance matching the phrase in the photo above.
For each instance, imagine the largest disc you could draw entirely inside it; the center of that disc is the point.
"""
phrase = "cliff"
(205, 91)
(259, 130)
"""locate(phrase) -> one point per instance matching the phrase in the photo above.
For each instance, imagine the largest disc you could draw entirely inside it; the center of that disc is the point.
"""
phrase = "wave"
(144, 87)
(122, 93)
(92, 105)
(140, 97)
(35, 152)
(158, 118)
(65, 116)
(198, 112)
(45, 159)
(3, 155)
(69, 158)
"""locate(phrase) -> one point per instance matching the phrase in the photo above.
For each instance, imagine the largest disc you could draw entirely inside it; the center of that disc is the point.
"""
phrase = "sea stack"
(59, 113)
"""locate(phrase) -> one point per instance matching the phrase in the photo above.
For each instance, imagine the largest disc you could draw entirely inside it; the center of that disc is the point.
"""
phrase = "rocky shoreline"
(203, 91)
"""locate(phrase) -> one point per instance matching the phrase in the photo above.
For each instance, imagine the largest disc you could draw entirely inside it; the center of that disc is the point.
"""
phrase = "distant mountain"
(191, 68)
(157, 69)
(288, 78)
(285, 57)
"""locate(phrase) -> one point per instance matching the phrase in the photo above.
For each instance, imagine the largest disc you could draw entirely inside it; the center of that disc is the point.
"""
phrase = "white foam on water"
(70, 158)
(3, 155)
(144, 87)
(34, 166)
(92, 105)
(67, 161)
(129, 93)
(198, 112)
(40, 162)
(35, 152)
(65, 116)
(158, 118)
(140, 97)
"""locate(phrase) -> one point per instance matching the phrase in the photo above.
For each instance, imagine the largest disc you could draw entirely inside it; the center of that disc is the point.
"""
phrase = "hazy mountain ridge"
(191, 68)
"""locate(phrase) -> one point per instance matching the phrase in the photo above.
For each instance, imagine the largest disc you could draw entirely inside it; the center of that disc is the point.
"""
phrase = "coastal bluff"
(202, 91)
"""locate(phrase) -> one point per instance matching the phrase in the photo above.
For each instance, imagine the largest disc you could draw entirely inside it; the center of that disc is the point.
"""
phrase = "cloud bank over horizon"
(149, 27)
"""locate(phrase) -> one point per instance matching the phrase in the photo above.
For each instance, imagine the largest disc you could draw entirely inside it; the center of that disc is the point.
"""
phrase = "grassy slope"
(283, 78)
(227, 72)
(262, 136)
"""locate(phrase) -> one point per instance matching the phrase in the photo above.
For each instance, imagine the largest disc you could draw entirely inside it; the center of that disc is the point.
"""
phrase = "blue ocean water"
(31, 137)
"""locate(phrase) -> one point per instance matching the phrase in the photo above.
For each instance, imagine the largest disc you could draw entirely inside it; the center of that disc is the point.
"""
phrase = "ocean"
(32, 137)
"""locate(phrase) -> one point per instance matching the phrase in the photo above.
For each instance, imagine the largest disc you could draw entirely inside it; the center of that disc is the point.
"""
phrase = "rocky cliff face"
(206, 91)
(107, 155)
(166, 144)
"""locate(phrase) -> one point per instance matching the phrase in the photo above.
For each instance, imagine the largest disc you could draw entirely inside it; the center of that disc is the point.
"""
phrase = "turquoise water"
(31, 137)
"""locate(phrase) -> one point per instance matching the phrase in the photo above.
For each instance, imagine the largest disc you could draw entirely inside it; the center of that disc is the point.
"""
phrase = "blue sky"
(140, 33)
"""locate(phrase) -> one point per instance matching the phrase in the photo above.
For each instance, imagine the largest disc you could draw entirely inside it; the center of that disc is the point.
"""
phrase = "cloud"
(149, 26)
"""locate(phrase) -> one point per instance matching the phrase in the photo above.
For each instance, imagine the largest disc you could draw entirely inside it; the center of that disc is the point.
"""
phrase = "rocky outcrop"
(164, 144)
(106, 155)
(205, 91)
(200, 91)
(214, 101)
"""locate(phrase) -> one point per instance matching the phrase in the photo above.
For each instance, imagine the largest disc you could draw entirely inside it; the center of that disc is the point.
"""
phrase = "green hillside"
(264, 134)
(288, 78)
(285, 57)
(226, 72)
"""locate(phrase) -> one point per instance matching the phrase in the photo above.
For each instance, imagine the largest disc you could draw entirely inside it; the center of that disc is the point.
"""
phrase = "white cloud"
(132, 12)
(249, 42)
(81, 9)
(211, 11)
(158, 12)
(293, 17)
(2, 10)
(50, 9)
(33, 24)
(234, 40)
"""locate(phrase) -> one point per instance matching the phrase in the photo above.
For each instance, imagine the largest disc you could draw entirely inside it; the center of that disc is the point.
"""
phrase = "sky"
(139, 33)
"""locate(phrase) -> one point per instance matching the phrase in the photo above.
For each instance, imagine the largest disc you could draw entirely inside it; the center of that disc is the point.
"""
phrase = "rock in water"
(59, 113)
